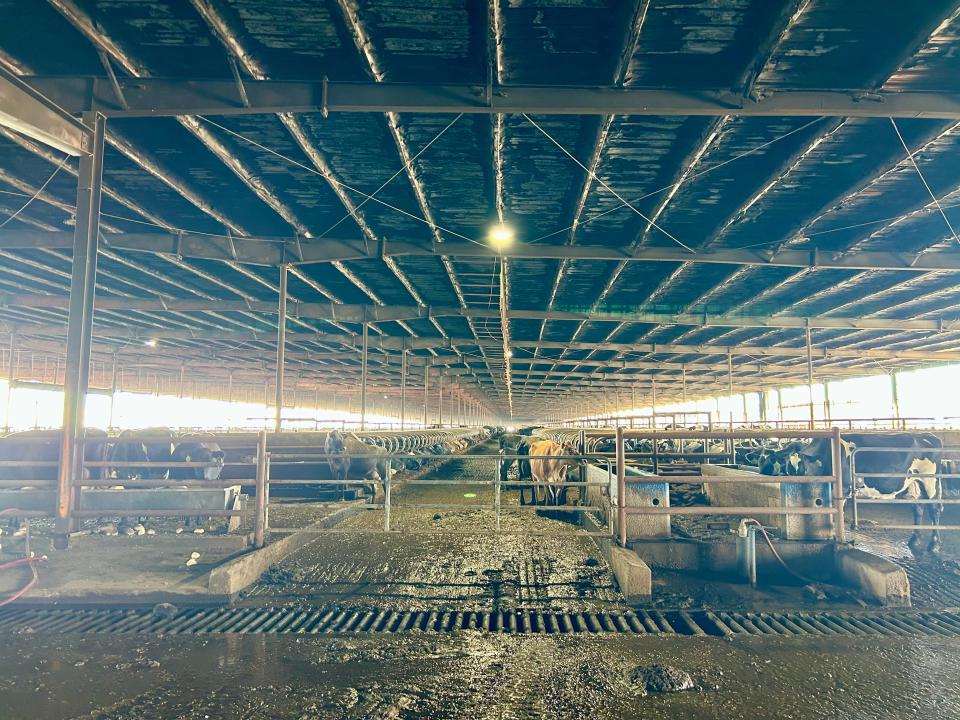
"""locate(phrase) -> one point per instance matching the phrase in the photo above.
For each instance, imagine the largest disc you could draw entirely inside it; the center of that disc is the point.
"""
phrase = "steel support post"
(11, 376)
(113, 387)
(281, 349)
(621, 489)
(683, 382)
(363, 375)
(838, 484)
(813, 415)
(730, 386)
(80, 318)
(895, 392)
(426, 395)
(260, 511)
(403, 390)
(440, 398)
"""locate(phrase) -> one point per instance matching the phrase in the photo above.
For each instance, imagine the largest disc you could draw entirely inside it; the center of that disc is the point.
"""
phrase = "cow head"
(335, 443)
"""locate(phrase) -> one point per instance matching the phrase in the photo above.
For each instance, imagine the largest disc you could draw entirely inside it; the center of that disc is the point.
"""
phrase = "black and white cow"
(909, 472)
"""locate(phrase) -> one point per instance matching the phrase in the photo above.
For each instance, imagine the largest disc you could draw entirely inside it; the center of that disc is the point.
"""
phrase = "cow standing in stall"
(908, 472)
(343, 449)
(548, 472)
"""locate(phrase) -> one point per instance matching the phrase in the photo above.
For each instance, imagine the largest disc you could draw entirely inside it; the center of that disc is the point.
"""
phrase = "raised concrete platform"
(879, 579)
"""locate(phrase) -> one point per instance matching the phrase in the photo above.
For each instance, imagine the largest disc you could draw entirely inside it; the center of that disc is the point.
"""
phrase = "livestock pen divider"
(495, 481)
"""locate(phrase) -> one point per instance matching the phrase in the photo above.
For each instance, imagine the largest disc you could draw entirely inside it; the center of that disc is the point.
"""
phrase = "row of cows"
(29, 459)
(888, 466)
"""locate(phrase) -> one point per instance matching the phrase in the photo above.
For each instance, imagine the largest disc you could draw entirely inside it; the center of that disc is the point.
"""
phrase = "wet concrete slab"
(473, 676)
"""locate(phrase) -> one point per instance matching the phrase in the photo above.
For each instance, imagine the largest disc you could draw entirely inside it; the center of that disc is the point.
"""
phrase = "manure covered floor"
(555, 567)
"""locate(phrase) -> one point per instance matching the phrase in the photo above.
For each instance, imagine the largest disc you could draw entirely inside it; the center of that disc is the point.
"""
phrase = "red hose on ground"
(32, 561)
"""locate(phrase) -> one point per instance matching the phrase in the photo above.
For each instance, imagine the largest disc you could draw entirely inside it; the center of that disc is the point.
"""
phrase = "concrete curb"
(235, 575)
(633, 575)
(876, 577)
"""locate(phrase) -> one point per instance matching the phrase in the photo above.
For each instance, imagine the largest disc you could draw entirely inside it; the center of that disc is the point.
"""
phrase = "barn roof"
(696, 187)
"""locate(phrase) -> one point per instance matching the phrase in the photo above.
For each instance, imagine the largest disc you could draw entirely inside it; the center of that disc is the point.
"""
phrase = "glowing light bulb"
(151, 342)
(500, 236)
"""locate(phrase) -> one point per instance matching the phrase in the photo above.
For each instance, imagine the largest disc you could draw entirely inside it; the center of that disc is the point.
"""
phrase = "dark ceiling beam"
(27, 111)
(397, 343)
(164, 97)
(396, 313)
(274, 250)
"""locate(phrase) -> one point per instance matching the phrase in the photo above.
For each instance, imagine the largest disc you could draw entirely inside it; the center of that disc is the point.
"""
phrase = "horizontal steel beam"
(387, 342)
(159, 97)
(274, 250)
(27, 111)
(337, 312)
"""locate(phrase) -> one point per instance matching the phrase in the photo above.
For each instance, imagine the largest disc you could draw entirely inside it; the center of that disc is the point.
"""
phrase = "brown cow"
(549, 473)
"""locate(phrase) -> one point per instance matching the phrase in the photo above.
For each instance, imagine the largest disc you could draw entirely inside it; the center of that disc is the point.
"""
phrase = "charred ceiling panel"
(362, 155)
(639, 162)
(528, 291)
(692, 43)
(539, 179)
(936, 64)
(840, 164)
(455, 170)
(31, 25)
(441, 39)
(851, 44)
(430, 279)
(168, 35)
(725, 177)
(295, 38)
(189, 160)
(305, 192)
(567, 41)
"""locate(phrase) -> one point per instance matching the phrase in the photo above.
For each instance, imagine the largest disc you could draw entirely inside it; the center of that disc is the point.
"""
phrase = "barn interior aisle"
(397, 359)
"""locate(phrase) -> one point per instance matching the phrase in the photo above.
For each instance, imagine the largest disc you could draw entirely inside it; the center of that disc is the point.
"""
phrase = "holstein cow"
(549, 473)
(913, 468)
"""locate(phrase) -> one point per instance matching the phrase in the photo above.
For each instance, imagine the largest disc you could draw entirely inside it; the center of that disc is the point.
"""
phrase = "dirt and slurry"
(557, 567)
(468, 674)
(475, 676)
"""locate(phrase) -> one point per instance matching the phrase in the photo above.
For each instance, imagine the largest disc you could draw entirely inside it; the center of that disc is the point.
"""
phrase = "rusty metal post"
(260, 511)
(403, 389)
(281, 349)
(621, 490)
(838, 483)
(11, 376)
(80, 318)
(813, 415)
(363, 375)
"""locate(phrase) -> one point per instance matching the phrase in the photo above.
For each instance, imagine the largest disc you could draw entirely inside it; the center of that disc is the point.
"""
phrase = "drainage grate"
(301, 621)
(932, 585)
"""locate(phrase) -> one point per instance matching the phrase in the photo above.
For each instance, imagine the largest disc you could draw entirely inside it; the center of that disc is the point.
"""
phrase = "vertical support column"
(827, 409)
(838, 485)
(653, 405)
(621, 489)
(895, 391)
(403, 389)
(730, 386)
(683, 383)
(11, 376)
(80, 323)
(426, 395)
(813, 416)
(363, 377)
(439, 398)
(113, 388)
(281, 349)
(260, 511)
